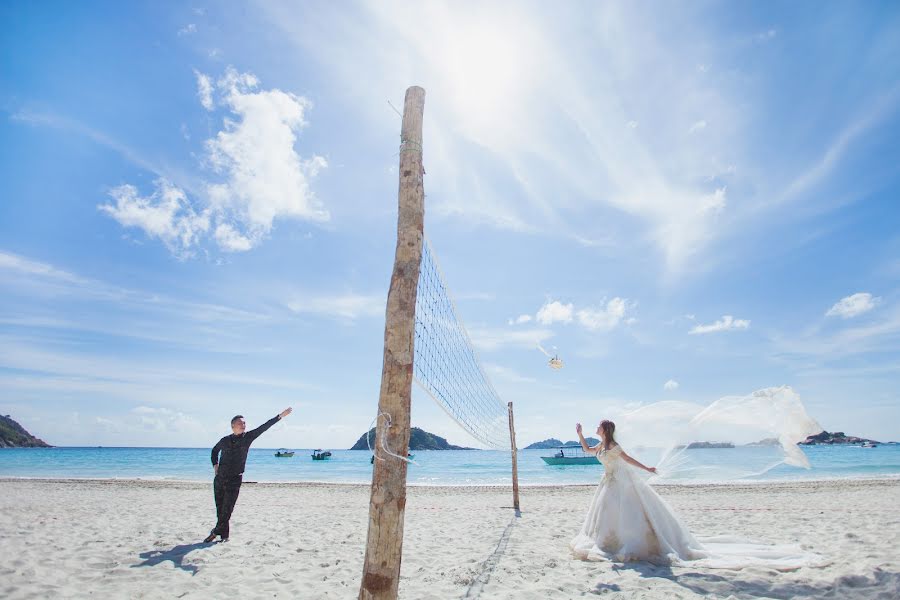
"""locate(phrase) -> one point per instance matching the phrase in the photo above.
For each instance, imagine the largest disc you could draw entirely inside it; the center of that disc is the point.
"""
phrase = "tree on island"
(419, 439)
(13, 435)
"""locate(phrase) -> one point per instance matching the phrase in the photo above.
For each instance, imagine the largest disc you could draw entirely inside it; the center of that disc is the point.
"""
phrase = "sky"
(684, 201)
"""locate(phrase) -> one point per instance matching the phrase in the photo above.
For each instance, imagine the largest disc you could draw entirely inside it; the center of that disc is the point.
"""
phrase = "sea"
(445, 467)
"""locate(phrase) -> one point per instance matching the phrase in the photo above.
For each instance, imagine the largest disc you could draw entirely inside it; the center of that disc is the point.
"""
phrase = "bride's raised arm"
(584, 444)
(636, 463)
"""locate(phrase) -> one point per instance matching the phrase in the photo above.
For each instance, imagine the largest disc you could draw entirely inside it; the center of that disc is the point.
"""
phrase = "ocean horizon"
(430, 467)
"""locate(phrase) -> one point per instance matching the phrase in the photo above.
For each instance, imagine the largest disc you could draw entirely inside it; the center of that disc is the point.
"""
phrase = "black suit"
(230, 474)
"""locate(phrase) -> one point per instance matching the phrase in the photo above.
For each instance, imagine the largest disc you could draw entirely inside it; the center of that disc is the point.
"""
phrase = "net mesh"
(446, 365)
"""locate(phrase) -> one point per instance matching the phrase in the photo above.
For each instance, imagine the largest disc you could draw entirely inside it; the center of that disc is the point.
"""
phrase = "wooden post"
(387, 504)
(515, 462)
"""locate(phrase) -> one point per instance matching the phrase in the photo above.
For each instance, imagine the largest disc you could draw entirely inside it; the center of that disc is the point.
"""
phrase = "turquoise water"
(450, 467)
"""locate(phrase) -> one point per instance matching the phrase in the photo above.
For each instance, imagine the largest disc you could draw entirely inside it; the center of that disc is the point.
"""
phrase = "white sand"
(138, 539)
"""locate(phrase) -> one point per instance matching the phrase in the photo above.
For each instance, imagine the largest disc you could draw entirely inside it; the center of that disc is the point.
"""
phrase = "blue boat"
(570, 455)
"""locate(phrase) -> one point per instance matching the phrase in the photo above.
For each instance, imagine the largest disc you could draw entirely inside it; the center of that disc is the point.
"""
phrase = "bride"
(628, 521)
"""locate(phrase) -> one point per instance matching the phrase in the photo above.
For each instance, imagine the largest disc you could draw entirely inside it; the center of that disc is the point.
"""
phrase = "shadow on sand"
(176, 555)
(744, 585)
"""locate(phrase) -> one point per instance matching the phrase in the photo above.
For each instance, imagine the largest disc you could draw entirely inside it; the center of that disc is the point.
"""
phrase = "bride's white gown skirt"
(629, 521)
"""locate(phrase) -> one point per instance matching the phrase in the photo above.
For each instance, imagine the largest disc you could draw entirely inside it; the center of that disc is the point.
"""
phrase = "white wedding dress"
(629, 521)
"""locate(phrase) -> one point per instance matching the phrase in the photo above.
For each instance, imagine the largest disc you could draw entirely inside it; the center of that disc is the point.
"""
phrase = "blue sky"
(687, 201)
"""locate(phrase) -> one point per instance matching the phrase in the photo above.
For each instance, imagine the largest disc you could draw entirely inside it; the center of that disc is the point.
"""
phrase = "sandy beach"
(141, 539)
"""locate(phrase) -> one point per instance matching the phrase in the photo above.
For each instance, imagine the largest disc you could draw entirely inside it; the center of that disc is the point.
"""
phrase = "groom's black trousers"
(226, 490)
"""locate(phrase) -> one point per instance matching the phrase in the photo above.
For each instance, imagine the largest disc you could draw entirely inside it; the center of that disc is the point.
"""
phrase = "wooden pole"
(515, 462)
(387, 504)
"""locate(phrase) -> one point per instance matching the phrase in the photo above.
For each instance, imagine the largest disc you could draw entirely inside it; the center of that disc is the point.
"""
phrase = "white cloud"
(65, 124)
(49, 280)
(714, 202)
(882, 335)
(507, 374)
(604, 318)
(204, 90)
(160, 419)
(726, 323)
(161, 423)
(119, 312)
(122, 376)
(188, 29)
(853, 306)
(520, 319)
(670, 385)
(493, 339)
(765, 36)
(555, 311)
(230, 240)
(346, 306)
(632, 124)
(14, 262)
(822, 168)
(265, 178)
(697, 126)
(587, 242)
(166, 215)
(262, 178)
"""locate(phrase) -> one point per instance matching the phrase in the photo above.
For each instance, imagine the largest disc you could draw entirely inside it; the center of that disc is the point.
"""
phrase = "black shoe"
(224, 539)
(211, 537)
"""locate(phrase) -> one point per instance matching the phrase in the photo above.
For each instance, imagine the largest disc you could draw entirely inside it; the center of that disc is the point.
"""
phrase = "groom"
(229, 468)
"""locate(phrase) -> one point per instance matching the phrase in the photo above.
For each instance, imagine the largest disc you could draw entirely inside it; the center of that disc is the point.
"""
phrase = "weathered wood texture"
(515, 462)
(387, 505)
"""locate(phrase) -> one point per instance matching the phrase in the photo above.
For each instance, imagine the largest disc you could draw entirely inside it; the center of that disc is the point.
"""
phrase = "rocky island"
(555, 443)
(419, 439)
(13, 435)
(699, 445)
(765, 442)
(837, 437)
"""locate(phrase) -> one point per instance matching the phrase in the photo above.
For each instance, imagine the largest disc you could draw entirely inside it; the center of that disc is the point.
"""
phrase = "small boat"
(409, 456)
(318, 454)
(284, 453)
(570, 455)
(870, 445)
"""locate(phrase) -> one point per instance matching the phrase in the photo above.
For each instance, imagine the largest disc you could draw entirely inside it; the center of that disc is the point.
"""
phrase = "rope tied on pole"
(383, 439)
(404, 146)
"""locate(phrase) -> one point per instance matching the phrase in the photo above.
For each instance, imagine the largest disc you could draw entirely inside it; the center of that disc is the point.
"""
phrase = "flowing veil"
(683, 439)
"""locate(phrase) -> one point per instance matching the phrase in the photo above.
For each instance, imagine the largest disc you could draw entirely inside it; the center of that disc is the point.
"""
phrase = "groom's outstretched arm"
(252, 435)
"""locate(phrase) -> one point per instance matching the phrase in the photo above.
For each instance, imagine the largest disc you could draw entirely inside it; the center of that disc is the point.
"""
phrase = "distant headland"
(13, 435)
(419, 439)
(704, 445)
(555, 443)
